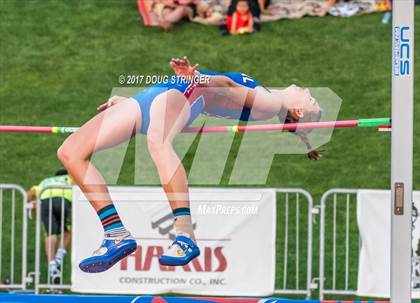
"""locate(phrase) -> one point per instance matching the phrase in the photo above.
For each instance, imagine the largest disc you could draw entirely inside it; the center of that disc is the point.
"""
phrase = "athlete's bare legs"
(168, 116)
(114, 125)
(105, 130)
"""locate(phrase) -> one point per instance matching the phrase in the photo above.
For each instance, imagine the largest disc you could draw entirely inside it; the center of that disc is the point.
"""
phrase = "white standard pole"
(402, 148)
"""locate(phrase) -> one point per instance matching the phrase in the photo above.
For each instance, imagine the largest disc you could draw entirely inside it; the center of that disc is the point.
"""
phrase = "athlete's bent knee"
(154, 146)
(68, 155)
(157, 147)
(63, 154)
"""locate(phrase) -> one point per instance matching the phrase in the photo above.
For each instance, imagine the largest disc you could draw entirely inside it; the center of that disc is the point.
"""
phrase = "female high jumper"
(161, 112)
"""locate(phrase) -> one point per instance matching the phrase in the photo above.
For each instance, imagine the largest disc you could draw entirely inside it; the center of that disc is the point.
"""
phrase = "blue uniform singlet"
(146, 97)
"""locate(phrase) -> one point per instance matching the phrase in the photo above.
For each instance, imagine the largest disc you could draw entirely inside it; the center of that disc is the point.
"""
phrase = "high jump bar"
(371, 122)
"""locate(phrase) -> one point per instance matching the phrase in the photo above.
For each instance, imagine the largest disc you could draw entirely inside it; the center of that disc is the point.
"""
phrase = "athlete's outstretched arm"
(293, 99)
(312, 154)
(183, 67)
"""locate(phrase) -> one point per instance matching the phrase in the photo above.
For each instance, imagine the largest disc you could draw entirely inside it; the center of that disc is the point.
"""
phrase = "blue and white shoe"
(111, 251)
(181, 252)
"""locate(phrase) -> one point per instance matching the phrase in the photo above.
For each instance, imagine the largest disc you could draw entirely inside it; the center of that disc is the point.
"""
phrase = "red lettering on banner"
(137, 258)
(166, 268)
(144, 256)
(221, 258)
(207, 259)
(195, 263)
(152, 252)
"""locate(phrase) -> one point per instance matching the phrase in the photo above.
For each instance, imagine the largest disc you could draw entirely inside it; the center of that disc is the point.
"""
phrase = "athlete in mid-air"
(161, 112)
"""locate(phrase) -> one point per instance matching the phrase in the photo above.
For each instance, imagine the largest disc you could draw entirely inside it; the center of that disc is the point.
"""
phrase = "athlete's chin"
(262, 116)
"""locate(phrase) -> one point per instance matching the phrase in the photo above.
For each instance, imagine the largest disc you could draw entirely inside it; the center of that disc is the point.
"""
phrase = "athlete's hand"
(314, 155)
(111, 101)
(182, 67)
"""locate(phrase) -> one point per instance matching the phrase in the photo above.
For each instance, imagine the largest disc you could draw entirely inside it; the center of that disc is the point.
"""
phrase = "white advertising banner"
(374, 220)
(235, 230)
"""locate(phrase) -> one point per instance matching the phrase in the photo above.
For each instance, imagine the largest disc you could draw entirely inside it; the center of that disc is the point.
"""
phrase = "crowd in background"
(245, 16)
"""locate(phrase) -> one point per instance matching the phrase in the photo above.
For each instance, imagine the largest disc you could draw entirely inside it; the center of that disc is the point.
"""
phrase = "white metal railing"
(295, 223)
(46, 281)
(294, 249)
(339, 242)
(12, 205)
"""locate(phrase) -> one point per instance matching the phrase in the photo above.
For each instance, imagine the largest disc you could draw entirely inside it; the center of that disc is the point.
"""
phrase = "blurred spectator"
(264, 7)
(257, 8)
(52, 216)
(208, 13)
(165, 13)
(347, 8)
(241, 21)
(254, 7)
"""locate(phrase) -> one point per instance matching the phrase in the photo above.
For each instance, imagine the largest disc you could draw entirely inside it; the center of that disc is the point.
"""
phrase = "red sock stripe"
(110, 219)
(112, 222)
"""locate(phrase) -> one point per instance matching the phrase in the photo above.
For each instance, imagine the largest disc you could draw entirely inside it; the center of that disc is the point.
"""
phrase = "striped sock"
(182, 211)
(111, 222)
(183, 223)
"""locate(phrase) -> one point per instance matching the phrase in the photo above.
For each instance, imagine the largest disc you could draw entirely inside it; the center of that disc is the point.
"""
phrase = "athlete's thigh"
(169, 114)
(107, 129)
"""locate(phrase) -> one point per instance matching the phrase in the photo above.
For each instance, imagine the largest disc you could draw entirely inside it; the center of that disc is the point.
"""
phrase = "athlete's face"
(242, 7)
(298, 100)
(299, 94)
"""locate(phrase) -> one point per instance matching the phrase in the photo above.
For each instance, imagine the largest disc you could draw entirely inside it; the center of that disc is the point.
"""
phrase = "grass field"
(60, 59)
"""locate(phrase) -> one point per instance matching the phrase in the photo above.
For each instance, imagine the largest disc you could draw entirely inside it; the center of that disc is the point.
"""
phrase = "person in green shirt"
(55, 215)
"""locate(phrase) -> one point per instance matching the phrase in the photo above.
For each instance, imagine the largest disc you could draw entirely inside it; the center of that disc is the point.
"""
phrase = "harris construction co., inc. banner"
(230, 226)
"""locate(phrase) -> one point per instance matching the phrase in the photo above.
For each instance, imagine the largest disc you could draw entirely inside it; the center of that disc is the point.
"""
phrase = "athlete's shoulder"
(238, 78)
(209, 73)
(243, 79)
